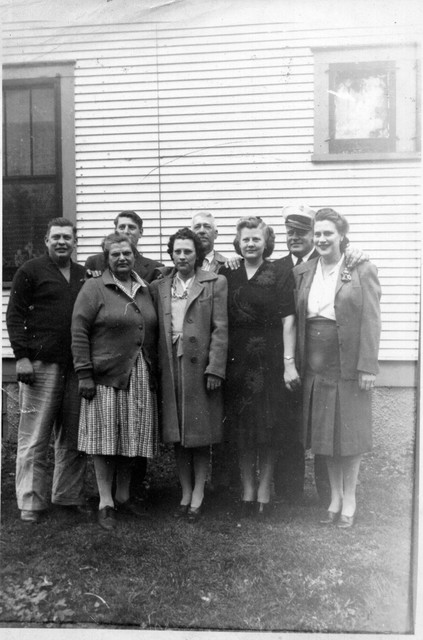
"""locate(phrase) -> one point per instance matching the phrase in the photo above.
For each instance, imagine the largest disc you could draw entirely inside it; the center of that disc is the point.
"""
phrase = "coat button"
(190, 320)
(194, 360)
(139, 343)
(140, 326)
(192, 339)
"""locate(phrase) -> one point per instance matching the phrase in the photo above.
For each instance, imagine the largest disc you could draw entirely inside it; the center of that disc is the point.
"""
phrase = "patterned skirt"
(119, 421)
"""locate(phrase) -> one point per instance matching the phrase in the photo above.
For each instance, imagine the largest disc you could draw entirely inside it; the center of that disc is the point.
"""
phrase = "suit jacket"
(143, 266)
(205, 343)
(357, 313)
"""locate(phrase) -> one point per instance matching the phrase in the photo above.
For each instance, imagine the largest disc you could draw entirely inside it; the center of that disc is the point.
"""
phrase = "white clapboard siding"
(174, 117)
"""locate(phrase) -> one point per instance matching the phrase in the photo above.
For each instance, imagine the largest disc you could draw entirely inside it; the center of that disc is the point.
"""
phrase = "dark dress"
(255, 390)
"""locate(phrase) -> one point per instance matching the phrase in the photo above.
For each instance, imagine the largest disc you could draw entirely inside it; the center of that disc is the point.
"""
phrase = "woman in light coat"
(193, 339)
(338, 320)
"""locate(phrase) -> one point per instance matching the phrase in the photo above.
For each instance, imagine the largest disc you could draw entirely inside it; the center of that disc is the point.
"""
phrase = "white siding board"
(235, 103)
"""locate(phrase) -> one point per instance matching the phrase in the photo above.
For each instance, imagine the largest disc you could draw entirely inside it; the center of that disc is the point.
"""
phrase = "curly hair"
(340, 222)
(115, 238)
(254, 222)
(186, 234)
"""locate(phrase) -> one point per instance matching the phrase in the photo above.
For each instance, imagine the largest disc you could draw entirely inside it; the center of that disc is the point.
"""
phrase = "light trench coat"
(204, 344)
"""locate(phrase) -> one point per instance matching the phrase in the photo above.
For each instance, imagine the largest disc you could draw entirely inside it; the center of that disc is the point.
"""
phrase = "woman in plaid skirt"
(114, 346)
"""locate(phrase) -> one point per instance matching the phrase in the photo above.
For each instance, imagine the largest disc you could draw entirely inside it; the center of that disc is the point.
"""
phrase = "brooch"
(346, 275)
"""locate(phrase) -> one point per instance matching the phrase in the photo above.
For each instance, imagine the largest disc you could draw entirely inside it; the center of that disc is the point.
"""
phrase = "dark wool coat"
(205, 344)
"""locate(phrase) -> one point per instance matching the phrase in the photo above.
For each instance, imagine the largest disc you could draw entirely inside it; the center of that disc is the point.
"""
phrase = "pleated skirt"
(121, 422)
(337, 415)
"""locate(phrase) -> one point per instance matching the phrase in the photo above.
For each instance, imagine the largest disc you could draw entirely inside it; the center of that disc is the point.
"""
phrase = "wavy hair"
(186, 234)
(254, 222)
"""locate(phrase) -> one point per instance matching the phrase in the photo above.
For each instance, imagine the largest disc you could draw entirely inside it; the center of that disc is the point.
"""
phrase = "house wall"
(215, 110)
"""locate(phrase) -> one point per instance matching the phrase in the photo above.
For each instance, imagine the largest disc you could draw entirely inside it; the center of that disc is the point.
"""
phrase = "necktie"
(299, 261)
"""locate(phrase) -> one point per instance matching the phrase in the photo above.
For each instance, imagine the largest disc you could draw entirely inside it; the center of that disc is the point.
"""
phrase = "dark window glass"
(31, 171)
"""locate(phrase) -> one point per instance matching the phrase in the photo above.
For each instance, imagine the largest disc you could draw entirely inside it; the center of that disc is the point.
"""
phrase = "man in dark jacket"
(129, 223)
(38, 321)
(290, 466)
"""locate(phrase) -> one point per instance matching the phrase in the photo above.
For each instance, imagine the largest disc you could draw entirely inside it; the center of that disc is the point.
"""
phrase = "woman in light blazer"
(193, 340)
(338, 320)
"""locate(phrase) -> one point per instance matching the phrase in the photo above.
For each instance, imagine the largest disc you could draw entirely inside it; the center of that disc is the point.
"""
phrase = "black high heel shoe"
(181, 511)
(346, 522)
(264, 510)
(194, 514)
(246, 509)
(331, 517)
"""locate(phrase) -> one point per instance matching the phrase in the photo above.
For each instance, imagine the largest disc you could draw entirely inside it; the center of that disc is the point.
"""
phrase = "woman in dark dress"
(261, 367)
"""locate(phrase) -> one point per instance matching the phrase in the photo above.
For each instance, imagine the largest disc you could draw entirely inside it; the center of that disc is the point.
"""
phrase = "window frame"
(404, 142)
(62, 75)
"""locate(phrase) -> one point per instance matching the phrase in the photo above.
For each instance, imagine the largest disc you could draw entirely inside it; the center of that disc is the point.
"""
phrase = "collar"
(305, 258)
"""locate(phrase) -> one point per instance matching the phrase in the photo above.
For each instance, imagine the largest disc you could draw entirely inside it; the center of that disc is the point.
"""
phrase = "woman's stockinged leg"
(104, 467)
(335, 473)
(267, 459)
(123, 478)
(350, 469)
(184, 465)
(201, 457)
(247, 465)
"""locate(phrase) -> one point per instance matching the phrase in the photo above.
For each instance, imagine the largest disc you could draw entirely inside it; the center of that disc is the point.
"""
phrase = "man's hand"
(87, 388)
(354, 256)
(93, 273)
(25, 371)
(366, 381)
(234, 262)
(213, 382)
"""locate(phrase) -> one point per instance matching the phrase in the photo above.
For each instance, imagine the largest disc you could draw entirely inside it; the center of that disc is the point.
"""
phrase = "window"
(37, 141)
(366, 104)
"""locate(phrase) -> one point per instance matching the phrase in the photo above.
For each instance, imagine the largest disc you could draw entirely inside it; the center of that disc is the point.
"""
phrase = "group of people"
(248, 359)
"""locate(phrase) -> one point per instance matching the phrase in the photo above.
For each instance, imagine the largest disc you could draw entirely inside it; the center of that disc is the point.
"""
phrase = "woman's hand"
(366, 381)
(87, 388)
(213, 382)
(291, 377)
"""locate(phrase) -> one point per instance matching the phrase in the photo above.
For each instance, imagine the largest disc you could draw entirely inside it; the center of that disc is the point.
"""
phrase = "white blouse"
(321, 299)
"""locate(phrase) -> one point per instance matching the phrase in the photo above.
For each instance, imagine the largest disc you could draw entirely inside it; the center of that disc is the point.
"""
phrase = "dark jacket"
(143, 266)
(108, 330)
(40, 310)
(205, 344)
(357, 313)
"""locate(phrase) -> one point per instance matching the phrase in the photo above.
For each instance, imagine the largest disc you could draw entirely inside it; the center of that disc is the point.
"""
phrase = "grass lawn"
(289, 573)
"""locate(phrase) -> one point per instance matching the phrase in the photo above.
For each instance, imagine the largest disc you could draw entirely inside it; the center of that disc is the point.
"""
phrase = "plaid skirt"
(119, 421)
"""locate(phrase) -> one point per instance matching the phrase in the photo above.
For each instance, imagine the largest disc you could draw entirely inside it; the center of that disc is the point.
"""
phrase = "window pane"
(43, 129)
(18, 132)
(361, 106)
(27, 208)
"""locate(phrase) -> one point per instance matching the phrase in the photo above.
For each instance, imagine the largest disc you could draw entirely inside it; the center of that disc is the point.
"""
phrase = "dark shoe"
(74, 509)
(181, 511)
(107, 518)
(264, 510)
(194, 514)
(247, 509)
(132, 508)
(30, 517)
(330, 518)
(346, 522)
